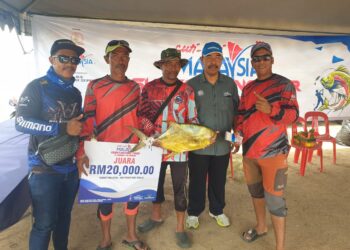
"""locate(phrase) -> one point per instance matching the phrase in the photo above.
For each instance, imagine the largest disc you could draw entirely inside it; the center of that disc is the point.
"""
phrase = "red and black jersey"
(110, 107)
(265, 135)
(181, 108)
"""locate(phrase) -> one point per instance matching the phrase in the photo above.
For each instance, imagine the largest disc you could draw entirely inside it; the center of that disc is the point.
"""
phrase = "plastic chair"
(299, 125)
(316, 117)
(305, 151)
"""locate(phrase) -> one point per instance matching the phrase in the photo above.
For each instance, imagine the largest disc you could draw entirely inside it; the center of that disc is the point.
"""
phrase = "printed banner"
(118, 175)
(318, 65)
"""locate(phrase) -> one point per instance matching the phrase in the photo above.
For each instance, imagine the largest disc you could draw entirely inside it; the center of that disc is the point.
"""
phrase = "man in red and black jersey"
(180, 108)
(268, 105)
(110, 106)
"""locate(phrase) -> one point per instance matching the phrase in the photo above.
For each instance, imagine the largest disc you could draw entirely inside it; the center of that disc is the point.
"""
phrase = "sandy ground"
(318, 205)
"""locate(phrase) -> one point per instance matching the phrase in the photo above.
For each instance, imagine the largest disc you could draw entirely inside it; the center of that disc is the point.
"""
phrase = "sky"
(16, 68)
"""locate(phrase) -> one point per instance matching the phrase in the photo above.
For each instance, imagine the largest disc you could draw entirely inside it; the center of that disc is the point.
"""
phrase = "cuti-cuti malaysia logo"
(236, 62)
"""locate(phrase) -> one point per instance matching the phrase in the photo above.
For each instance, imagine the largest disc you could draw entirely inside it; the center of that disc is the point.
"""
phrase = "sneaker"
(222, 220)
(192, 222)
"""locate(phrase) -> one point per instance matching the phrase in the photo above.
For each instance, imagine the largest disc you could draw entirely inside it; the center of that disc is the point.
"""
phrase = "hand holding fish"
(178, 138)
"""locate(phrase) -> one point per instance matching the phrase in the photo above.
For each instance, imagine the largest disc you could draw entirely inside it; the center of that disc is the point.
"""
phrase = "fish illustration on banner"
(335, 93)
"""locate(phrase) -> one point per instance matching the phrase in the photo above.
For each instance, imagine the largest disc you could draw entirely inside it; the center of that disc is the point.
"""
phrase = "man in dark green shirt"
(217, 101)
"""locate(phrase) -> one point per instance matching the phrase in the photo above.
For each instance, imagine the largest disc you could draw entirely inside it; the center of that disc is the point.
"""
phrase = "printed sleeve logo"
(227, 94)
(24, 101)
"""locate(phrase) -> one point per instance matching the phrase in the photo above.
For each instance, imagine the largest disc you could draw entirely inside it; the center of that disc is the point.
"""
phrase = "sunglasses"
(118, 42)
(66, 59)
(261, 58)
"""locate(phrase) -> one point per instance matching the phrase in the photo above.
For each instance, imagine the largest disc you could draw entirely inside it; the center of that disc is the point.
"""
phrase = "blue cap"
(211, 47)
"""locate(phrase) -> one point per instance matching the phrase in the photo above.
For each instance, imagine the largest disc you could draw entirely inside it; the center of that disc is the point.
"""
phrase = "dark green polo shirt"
(217, 105)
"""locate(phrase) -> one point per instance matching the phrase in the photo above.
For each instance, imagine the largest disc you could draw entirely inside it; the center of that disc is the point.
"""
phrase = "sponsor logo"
(86, 60)
(227, 94)
(178, 99)
(236, 65)
(24, 101)
(33, 125)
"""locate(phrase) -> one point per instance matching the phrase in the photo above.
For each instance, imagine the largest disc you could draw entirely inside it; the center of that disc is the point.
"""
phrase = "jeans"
(53, 197)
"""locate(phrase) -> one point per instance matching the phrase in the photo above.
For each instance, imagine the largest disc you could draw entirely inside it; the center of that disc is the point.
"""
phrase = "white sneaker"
(222, 220)
(192, 222)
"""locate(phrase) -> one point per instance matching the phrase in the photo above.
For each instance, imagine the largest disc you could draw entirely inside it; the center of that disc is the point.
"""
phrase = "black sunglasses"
(66, 59)
(261, 58)
(118, 42)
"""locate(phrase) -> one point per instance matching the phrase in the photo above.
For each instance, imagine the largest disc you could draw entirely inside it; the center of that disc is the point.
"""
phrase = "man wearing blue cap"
(216, 98)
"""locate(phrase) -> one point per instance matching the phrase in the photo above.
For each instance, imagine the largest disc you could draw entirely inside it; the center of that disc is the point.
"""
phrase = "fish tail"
(138, 146)
(141, 136)
(137, 132)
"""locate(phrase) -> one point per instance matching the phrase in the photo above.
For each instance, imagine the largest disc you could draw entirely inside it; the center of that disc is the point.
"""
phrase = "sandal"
(109, 247)
(251, 235)
(182, 240)
(148, 225)
(135, 245)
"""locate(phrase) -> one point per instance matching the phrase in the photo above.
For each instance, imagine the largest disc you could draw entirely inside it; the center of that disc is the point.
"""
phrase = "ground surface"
(318, 218)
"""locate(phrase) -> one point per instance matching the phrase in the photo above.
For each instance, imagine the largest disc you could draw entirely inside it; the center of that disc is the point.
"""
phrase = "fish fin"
(173, 124)
(138, 146)
(343, 69)
(139, 134)
(166, 157)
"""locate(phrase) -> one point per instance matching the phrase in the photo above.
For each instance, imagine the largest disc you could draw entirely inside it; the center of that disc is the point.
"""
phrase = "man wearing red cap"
(110, 107)
(268, 105)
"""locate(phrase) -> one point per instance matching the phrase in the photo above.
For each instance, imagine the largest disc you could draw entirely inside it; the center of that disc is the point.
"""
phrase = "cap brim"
(79, 50)
(157, 64)
(259, 48)
(212, 53)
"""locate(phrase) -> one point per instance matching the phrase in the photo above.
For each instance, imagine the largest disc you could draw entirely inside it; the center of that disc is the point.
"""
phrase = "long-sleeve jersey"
(181, 109)
(110, 107)
(42, 111)
(265, 135)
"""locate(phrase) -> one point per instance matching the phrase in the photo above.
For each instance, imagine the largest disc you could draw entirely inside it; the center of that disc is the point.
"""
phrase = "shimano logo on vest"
(33, 125)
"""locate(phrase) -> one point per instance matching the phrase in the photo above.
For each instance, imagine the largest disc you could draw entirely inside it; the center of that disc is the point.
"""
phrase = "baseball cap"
(211, 47)
(114, 44)
(260, 45)
(168, 55)
(65, 44)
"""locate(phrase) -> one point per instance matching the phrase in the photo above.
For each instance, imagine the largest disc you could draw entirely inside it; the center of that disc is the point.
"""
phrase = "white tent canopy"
(312, 16)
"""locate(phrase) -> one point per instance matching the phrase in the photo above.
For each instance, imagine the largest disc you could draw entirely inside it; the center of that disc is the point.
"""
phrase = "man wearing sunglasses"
(51, 106)
(110, 106)
(268, 105)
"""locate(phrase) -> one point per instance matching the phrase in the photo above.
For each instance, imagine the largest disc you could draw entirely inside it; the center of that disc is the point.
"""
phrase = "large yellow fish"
(178, 138)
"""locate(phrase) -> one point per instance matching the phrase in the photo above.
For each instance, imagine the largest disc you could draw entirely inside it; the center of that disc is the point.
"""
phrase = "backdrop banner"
(318, 65)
